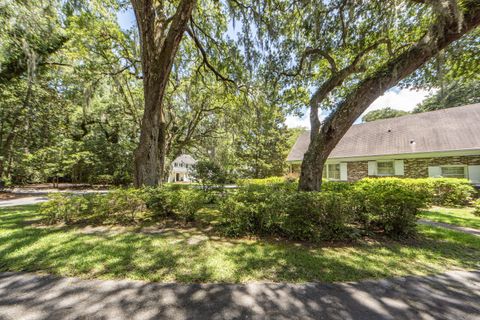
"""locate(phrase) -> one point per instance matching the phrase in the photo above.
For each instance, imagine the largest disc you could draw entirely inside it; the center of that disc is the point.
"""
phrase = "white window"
(453, 172)
(331, 171)
(385, 168)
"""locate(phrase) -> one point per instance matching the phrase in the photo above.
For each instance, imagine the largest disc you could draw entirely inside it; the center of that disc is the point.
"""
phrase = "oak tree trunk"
(160, 39)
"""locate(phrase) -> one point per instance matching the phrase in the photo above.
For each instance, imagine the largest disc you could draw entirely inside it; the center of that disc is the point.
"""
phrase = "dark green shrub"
(103, 179)
(315, 216)
(209, 173)
(273, 210)
(388, 204)
(175, 202)
(186, 203)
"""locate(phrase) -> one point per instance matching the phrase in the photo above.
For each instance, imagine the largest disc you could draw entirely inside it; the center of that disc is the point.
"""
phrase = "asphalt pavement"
(453, 296)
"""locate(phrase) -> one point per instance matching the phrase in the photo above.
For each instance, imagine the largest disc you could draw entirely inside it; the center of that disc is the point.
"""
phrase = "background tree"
(457, 93)
(384, 113)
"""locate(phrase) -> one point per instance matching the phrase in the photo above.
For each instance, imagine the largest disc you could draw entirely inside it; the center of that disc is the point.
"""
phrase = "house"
(443, 143)
(182, 168)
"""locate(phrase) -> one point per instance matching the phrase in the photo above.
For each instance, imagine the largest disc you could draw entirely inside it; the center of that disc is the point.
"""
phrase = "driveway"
(39, 196)
(452, 295)
(22, 201)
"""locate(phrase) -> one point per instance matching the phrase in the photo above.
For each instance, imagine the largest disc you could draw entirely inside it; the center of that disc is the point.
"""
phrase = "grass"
(458, 216)
(192, 256)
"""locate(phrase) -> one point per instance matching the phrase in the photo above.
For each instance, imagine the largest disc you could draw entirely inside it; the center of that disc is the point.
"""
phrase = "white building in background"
(181, 169)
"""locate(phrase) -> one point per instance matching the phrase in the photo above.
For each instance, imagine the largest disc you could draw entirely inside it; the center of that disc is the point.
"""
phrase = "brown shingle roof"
(436, 131)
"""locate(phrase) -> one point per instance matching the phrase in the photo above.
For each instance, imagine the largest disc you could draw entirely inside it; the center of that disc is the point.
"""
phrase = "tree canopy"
(83, 99)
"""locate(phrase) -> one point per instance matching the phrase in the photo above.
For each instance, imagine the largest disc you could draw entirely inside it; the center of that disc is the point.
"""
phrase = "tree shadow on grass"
(173, 256)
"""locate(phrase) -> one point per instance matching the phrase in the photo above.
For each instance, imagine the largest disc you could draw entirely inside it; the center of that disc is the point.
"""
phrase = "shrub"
(209, 173)
(175, 202)
(270, 210)
(186, 203)
(476, 206)
(122, 206)
(263, 181)
(451, 192)
(66, 208)
(316, 216)
(336, 186)
(103, 179)
(389, 204)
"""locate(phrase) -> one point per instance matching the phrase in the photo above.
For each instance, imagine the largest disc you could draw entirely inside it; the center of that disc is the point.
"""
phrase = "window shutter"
(372, 168)
(434, 172)
(474, 173)
(399, 168)
(343, 171)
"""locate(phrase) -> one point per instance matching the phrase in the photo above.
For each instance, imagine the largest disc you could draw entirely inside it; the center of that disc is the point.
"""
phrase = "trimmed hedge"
(123, 206)
(440, 191)
(267, 210)
(389, 205)
(273, 207)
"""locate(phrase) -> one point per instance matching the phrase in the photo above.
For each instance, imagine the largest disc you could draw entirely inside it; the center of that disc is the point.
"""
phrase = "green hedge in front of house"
(342, 210)
(273, 208)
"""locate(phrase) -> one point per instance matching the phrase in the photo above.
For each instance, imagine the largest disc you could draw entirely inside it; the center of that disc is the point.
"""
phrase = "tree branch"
(206, 62)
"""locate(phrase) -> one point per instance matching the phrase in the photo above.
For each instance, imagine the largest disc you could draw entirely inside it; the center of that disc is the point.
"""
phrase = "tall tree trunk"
(160, 38)
(445, 30)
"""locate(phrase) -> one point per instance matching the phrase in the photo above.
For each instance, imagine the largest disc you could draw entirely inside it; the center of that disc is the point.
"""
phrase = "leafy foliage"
(455, 94)
(385, 113)
(476, 205)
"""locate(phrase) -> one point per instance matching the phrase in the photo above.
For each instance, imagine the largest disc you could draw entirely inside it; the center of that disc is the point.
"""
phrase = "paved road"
(453, 295)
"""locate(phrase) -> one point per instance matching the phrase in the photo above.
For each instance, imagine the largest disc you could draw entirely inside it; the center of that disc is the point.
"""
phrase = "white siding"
(399, 168)
(372, 168)
(434, 172)
(343, 171)
(474, 174)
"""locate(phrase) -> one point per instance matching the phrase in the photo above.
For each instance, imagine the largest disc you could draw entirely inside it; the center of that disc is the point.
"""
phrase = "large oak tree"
(348, 53)
(161, 31)
(451, 20)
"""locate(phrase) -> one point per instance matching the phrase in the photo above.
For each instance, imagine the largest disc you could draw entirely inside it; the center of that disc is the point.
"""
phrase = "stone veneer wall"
(418, 168)
(414, 168)
(357, 170)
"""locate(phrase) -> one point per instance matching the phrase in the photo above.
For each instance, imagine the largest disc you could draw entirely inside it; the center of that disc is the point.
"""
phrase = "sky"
(396, 98)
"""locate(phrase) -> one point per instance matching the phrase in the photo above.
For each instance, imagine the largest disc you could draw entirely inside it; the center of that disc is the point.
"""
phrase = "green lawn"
(193, 256)
(457, 216)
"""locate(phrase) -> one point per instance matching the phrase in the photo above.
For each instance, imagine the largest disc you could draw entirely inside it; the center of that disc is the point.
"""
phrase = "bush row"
(389, 205)
(124, 206)
(439, 191)
(273, 207)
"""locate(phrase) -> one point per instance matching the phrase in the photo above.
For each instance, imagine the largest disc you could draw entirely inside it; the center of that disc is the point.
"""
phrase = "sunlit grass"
(193, 256)
(458, 216)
